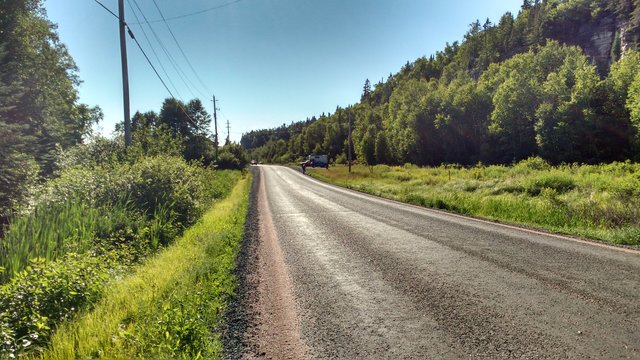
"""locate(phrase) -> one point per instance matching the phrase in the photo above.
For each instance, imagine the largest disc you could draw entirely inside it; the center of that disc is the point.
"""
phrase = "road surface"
(343, 275)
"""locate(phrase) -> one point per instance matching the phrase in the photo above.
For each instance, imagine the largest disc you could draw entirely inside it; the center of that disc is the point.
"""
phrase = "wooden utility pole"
(125, 74)
(228, 133)
(349, 142)
(215, 124)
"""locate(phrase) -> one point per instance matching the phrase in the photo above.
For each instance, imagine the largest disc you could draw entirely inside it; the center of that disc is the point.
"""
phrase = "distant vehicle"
(315, 161)
(318, 161)
(254, 162)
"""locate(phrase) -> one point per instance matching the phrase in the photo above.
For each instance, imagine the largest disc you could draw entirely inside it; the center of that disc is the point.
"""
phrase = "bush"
(528, 165)
(559, 182)
(97, 152)
(134, 207)
(164, 181)
(44, 295)
(232, 157)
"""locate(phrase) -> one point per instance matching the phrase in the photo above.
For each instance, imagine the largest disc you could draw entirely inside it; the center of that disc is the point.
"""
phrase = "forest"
(561, 80)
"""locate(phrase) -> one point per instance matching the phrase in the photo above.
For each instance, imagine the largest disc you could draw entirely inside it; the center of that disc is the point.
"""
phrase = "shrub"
(559, 182)
(129, 207)
(232, 157)
(341, 159)
(163, 181)
(97, 152)
(44, 295)
(528, 165)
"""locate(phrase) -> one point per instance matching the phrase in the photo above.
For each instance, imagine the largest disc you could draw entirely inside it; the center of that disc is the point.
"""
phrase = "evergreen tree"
(47, 108)
(366, 91)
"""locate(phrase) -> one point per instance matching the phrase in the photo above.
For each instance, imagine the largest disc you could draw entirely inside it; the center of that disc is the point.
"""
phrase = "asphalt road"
(371, 278)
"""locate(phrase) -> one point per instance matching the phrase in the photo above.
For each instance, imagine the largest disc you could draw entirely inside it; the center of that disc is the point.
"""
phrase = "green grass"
(601, 202)
(172, 305)
(53, 230)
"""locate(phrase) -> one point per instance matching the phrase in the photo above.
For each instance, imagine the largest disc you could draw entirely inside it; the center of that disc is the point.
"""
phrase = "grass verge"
(600, 202)
(172, 306)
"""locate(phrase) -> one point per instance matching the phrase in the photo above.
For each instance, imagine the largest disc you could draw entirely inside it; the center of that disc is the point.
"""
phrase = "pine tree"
(366, 91)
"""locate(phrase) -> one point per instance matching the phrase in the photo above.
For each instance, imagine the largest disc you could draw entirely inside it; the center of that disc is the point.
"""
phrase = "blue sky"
(268, 62)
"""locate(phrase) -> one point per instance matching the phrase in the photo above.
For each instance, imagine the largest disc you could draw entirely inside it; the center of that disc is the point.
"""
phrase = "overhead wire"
(150, 64)
(180, 48)
(106, 8)
(173, 62)
(164, 70)
(160, 77)
(193, 13)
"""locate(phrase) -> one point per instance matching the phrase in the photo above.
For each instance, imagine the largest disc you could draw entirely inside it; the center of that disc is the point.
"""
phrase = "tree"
(190, 123)
(367, 147)
(232, 156)
(633, 106)
(382, 149)
(173, 115)
(513, 116)
(47, 108)
(366, 91)
(18, 169)
(563, 119)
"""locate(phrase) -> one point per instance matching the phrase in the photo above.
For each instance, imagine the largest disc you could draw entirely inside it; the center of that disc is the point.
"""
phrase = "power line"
(150, 64)
(193, 13)
(164, 70)
(173, 62)
(159, 77)
(180, 48)
(109, 10)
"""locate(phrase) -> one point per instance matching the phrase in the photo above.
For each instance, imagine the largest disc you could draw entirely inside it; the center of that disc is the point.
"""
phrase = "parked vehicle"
(318, 161)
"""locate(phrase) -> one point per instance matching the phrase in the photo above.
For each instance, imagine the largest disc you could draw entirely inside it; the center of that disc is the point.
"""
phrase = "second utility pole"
(125, 75)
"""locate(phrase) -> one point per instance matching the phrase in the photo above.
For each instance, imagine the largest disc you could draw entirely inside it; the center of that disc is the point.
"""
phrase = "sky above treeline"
(268, 62)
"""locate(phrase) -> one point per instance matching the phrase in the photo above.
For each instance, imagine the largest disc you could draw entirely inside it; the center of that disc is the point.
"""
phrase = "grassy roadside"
(172, 305)
(600, 202)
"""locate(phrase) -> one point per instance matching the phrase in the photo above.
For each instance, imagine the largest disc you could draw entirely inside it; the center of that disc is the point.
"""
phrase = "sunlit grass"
(595, 201)
(54, 230)
(170, 307)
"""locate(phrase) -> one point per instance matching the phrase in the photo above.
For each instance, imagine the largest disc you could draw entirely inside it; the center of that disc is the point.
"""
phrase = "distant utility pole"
(228, 133)
(125, 75)
(349, 141)
(215, 122)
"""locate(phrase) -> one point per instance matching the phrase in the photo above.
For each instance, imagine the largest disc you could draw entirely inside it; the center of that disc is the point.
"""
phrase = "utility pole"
(349, 142)
(228, 133)
(125, 75)
(215, 122)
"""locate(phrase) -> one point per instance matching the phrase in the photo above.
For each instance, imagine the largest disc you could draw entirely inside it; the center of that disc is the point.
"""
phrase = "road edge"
(527, 229)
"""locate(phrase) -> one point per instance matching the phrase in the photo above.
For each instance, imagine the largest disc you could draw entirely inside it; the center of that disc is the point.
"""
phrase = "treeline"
(39, 108)
(534, 84)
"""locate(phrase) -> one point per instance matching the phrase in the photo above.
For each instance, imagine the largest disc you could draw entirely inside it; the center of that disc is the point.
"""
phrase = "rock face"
(627, 38)
(601, 36)
(598, 37)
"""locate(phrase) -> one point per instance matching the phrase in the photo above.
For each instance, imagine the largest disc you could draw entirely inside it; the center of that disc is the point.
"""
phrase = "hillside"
(559, 80)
